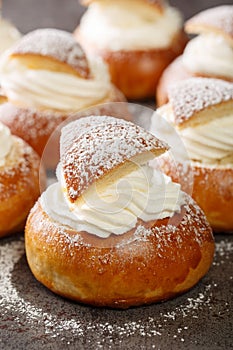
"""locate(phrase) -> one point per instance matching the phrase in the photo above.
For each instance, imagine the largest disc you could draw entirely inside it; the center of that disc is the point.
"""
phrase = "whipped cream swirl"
(122, 25)
(209, 54)
(210, 143)
(44, 89)
(145, 193)
(6, 142)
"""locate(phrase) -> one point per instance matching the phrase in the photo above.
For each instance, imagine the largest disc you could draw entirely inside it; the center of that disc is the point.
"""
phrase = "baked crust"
(19, 186)
(82, 143)
(217, 20)
(197, 101)
(153, 262)
(41, 49)
(212, 189)
(136, 73)
(174, 73)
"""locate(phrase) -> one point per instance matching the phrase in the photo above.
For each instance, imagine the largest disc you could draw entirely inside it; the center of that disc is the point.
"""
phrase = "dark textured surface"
(34, 318)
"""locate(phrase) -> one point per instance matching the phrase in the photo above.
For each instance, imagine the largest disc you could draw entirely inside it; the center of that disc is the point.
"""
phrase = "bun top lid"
(218, 20)
(91, 147)
(199, 100)
(52, 49)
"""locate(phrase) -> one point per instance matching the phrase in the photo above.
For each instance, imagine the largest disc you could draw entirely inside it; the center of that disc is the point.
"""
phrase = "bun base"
(136, 73)
(153, 262)
(19, 189)
(212, 190)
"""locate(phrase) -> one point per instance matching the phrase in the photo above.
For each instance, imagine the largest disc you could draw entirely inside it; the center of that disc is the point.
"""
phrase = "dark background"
(65, 14)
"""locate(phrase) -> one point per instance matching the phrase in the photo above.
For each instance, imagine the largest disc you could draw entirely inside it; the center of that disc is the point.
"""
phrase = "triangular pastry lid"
(92, 147)
(51, 49)
(218, 20)
(200, 100)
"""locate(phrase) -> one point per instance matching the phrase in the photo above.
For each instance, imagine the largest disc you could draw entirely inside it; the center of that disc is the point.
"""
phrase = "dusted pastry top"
(6, 142)
(209, 54)
(218, 20)
(190, 97)
(31, 84)
(56, 45)
(210, 143)
(92, 147)
(8, 35)
(123, 25)
(144, 193)
(53, 90)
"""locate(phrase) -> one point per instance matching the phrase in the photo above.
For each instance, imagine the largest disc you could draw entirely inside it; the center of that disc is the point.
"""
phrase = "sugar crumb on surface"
(195, 94)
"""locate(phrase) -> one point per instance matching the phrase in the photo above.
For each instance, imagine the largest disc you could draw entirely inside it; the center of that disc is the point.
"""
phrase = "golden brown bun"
(36, 126)
(153, 262)
(19, 187)
(212, 190)
(174, 73)
(136, 73)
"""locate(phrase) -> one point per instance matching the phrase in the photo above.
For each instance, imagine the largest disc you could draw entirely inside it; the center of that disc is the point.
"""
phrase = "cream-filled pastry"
(210, 54)
(19, 181)
(136, 38)
(47, 77)
(112, 231)
(201, 111)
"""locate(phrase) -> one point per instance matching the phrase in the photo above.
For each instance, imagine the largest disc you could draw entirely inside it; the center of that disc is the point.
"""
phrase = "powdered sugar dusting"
(193, 95)
(93, 146)
(220, 17)
(54, 43)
